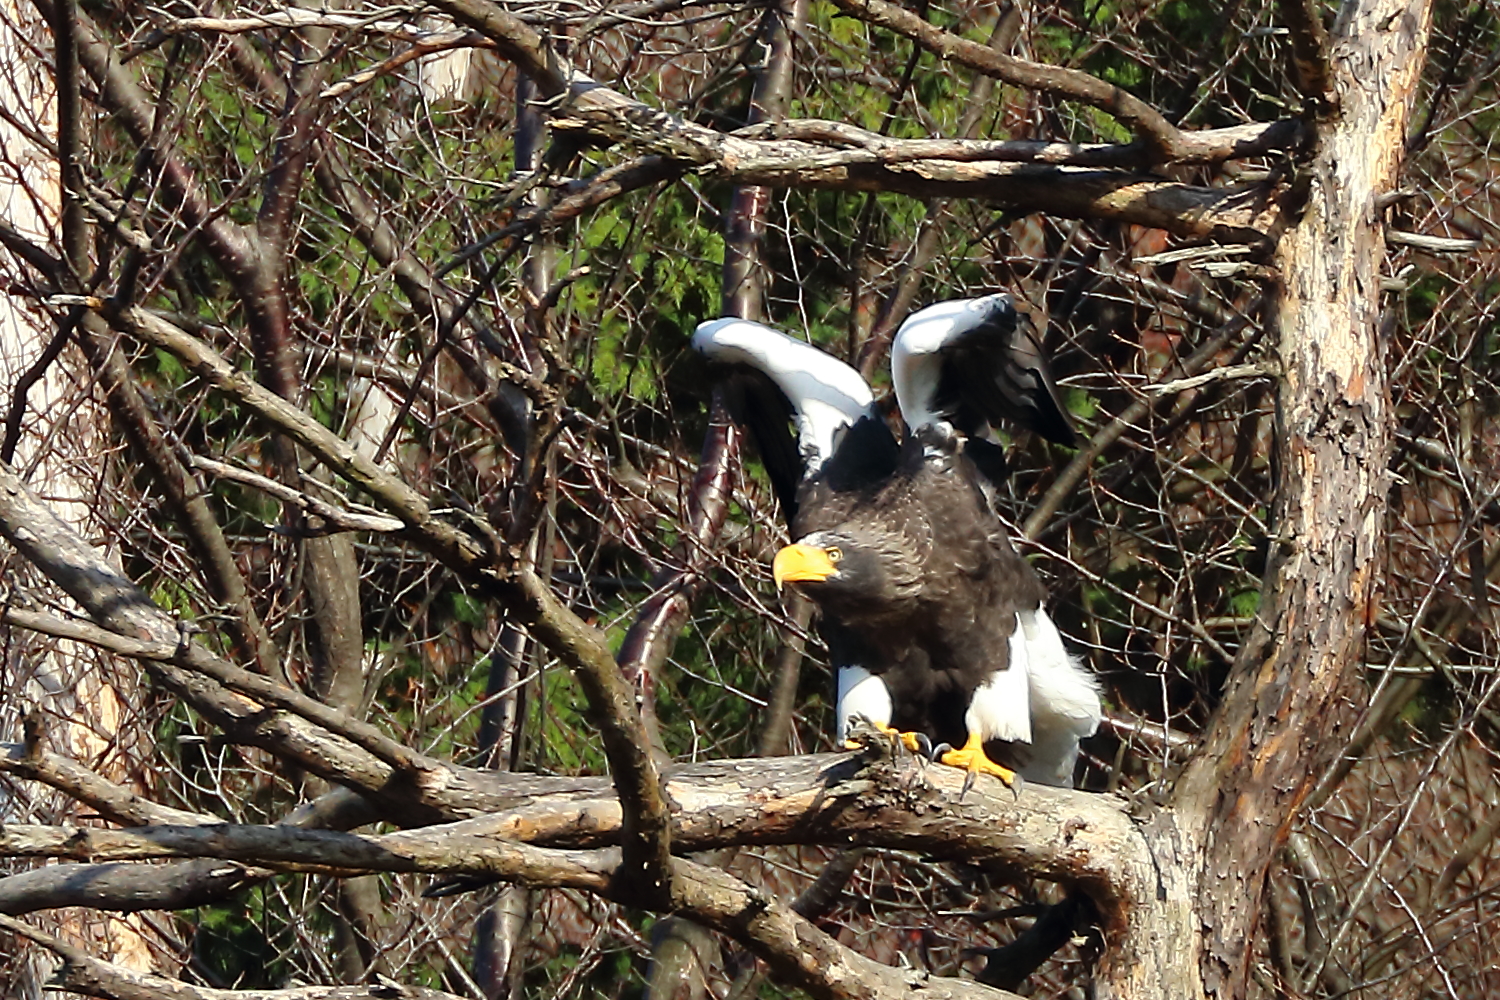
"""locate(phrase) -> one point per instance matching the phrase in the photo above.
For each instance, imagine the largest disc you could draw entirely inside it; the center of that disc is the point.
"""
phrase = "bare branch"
(1068, 479)
(82, 973)
(126, 888)
(1073, 837)
(337, 518)
(83, 785)
(1430, 243)
(1208, 146)
(583, 104)
(1165, 141)
(1087, 839)
(196, 658)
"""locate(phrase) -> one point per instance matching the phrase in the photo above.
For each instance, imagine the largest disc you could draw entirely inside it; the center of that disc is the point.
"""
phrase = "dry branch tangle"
(800, 952)
(559, 838)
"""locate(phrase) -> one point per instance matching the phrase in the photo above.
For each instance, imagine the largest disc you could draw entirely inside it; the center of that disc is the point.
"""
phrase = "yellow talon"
(973, 759)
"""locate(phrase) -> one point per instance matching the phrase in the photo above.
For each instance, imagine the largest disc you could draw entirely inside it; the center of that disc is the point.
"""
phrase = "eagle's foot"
(915, 742)
(973, 759)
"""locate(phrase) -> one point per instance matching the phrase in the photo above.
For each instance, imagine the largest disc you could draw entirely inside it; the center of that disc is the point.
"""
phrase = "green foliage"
(568, 742)
(1080, 403)
(237, 942)
(649, 284)
(1243, 603)
(469, 611)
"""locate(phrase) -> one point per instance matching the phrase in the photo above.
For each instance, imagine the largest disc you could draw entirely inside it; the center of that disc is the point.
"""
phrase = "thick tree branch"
(864, 146)
(1087, 839)
(581, 103)
(126, 888)
(112, 801)
(1310, 51)
(869, 799)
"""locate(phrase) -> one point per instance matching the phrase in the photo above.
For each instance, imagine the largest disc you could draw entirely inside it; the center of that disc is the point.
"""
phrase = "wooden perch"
(561, 838)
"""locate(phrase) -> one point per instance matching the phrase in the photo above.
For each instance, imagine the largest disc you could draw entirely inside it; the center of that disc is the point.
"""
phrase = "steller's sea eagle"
(933, 621)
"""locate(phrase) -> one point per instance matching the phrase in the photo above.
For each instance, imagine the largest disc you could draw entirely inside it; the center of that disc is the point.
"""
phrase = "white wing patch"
(916, 354)
(863, 694)
(827, 394)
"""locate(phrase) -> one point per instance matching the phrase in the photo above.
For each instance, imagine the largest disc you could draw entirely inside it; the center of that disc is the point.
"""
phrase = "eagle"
(934, 623)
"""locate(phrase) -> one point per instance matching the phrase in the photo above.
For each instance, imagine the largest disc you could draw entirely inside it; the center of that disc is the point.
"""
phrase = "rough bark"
(1278, 726)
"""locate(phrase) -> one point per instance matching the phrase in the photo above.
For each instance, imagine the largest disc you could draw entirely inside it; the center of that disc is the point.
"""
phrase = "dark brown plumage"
(933, 621)
(926, 588)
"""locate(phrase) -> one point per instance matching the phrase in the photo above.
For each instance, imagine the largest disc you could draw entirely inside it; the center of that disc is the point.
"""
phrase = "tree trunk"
(1280, 723)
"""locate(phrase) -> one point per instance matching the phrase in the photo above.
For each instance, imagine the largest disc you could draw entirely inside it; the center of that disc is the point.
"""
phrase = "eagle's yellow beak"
(799, 563)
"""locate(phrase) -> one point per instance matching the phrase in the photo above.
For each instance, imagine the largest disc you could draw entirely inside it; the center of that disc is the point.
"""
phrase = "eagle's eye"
(835, 554)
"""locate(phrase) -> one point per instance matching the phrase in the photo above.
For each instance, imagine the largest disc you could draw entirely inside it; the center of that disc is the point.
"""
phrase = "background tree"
(363, 334)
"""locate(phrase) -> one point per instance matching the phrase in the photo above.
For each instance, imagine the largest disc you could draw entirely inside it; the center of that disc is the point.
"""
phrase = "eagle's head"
(860, 573)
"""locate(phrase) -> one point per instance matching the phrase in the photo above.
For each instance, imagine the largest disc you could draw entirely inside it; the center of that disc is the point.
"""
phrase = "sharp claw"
(922, 746)
(937, 752)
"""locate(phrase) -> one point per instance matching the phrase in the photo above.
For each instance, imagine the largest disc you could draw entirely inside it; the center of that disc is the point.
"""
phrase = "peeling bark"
(1278, 726)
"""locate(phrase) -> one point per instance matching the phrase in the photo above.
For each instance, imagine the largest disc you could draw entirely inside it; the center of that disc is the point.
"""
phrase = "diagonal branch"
(110, 800)
(611, 700)
(1163, 138)
(649, 640)
(196, 658)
